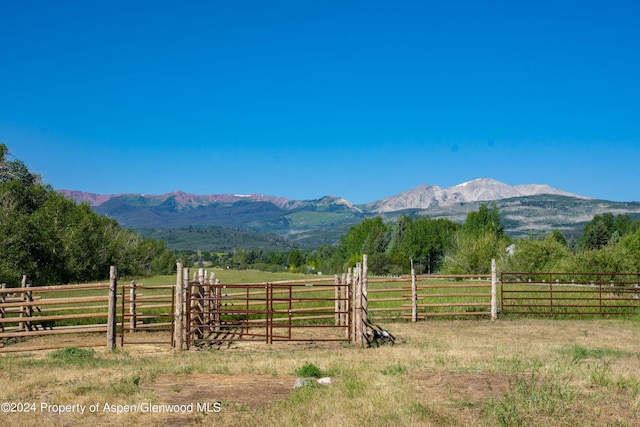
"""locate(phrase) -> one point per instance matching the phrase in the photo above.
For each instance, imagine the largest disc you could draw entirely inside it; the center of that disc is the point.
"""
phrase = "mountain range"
(525, 209)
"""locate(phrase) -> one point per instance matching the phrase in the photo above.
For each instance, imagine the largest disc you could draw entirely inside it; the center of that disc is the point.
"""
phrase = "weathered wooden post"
(111, 317)
(365, 293)
(211, 302)
(186, 308)
(494, 290)
(178, 317)
(23, 298)
(352, 314)
(337, 303)
(29, 307)
(132, 307)
(344, 307)
(202, 277)
(217, 306)
(414, 296)
(3, 300)
(358, 304)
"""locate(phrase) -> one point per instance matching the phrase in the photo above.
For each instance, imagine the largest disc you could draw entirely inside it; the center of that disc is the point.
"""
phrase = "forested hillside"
(53, 240)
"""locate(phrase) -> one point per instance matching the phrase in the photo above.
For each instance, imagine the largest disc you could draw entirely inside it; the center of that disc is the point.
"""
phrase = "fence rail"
(576, 294)
(416, 297)
(31, 311)
(141, 312)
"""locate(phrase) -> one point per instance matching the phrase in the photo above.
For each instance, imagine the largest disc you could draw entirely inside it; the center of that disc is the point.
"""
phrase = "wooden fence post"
(365, 292)
(29, 296)
(414, 296)
(344, 303)
(111, 319)
(202, 276)
(211, 302)
(337, 303)
(179, 308)
(186, 309)
(217, 305)
(358, 304)
(132, 307)
(3, 299)
(494, 290)
(352, 315)
(23, 298)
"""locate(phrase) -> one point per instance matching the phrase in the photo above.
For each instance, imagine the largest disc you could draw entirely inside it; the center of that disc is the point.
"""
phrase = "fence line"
(343, 303)
(31, 311)
(574, 294)
(339, 308)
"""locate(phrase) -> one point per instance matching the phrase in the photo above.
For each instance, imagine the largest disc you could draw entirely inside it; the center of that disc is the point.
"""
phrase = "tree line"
(607, 243)
(53, 240)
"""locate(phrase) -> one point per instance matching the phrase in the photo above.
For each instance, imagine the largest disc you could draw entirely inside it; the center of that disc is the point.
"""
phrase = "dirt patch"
(231, 390)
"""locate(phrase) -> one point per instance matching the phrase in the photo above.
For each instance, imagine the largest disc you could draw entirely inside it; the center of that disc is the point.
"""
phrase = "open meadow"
(511, 372)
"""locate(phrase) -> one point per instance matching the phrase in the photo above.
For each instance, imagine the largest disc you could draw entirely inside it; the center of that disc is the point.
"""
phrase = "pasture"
(510, 372)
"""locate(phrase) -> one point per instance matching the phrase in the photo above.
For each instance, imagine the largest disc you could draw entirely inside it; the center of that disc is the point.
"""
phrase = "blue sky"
(302, 99)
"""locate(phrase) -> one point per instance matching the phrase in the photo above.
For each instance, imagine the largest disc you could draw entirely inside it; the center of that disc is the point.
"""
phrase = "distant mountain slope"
(483, 189)
(217, 239)
(525, 209)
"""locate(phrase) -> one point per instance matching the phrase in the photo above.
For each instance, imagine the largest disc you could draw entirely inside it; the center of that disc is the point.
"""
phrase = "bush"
(310, 370)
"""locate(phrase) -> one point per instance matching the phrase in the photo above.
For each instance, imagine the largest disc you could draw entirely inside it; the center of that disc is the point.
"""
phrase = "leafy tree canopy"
(53, 240)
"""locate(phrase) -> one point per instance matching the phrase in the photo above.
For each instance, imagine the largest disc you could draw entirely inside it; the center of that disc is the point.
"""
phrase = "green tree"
(53, 240)
(537, 255)
(479, 240)
(295, 259)
(425, 241)
(484, 220)
(369, 236)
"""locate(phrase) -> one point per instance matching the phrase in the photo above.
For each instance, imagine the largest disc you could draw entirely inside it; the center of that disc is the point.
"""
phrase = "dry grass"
(526, 372)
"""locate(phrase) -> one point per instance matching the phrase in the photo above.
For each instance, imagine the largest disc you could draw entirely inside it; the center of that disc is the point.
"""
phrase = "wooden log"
(23, 297)
(57, 288)
(414, 297)
(59, 330)
(337, 301)
(16, 349)
(358, 304)
(37, 319)
(111, 318)
(365, 291)
(132, 306)
(3, 299)
(57, 301)
(352, 311)
(494, 290)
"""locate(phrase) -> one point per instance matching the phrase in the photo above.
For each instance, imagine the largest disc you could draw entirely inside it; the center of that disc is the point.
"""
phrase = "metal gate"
(269, 312)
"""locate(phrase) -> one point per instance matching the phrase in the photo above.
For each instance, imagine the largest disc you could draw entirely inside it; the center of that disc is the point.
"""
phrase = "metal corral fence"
(305, 310)
(421, 297)
(323, 309)
(570, 294)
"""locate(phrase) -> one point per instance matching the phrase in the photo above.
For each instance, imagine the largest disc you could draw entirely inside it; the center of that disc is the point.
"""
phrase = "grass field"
(522, 372)
(512, 372)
